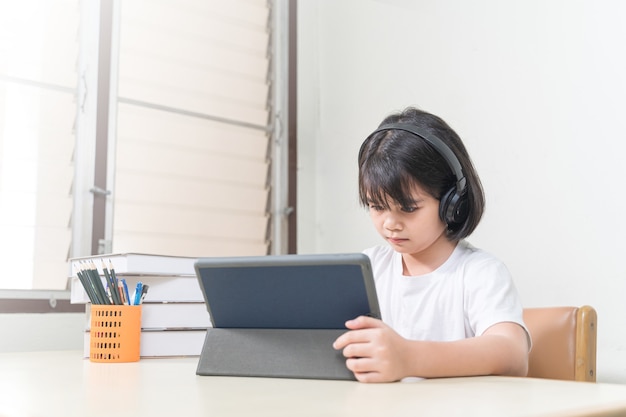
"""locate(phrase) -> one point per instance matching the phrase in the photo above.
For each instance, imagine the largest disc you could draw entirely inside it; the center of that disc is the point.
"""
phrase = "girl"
(449, 309)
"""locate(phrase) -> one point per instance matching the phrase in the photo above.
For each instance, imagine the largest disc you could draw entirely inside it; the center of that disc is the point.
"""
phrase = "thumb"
(363, 322)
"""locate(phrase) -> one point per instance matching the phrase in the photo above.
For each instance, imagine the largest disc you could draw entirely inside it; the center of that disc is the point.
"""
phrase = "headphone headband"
(436, 143)
(453, 206)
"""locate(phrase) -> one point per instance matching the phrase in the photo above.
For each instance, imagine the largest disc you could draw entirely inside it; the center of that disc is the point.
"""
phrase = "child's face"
(410, 230)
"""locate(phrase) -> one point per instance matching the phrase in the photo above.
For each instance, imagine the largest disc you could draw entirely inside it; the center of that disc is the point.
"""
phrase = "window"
(38, 52)
(138, 126)
(191, 161)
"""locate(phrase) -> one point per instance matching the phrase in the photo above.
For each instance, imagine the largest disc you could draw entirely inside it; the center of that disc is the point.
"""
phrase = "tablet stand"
(280, 353)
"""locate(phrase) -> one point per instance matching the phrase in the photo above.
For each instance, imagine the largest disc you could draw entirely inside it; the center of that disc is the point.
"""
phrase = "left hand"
(375, 352)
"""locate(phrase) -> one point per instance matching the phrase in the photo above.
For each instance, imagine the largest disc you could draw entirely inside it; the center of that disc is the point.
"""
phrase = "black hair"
(392, 161)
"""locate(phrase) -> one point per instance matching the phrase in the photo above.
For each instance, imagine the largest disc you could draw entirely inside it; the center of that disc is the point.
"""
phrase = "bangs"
(383, 184)
(391, 165)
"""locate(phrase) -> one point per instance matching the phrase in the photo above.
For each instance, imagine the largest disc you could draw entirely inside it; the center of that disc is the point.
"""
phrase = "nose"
(392, 222)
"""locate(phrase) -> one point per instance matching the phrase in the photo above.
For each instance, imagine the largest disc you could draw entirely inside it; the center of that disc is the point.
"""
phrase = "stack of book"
(174, 316)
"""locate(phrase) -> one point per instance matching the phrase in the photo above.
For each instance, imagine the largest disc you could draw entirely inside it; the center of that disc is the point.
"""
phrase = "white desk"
(48, 384)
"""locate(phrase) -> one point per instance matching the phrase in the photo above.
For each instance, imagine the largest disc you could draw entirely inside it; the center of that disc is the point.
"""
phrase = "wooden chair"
(564, 342)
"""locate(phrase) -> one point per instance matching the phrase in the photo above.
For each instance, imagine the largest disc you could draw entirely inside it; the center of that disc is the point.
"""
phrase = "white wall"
(35, 332)
(537, 90)
(57, 330)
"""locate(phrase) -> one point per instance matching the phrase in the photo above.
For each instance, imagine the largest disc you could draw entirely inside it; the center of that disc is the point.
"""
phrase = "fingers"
(369, 377)
(371, 350)
(357, 349)
(358, 333)
(364, 370)
(363, 322)
(344, 340)
(360, 365)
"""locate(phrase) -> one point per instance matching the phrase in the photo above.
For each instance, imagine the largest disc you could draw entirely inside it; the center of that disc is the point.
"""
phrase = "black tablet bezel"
(319, 291)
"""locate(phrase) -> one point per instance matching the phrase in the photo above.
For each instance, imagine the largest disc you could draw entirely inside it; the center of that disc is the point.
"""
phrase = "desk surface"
(64, 384)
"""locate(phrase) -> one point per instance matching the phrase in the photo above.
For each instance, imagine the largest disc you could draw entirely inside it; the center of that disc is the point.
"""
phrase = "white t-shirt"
(462, 298)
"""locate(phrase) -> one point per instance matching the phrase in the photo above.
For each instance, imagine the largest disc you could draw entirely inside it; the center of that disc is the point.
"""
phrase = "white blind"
(191, 160)
(38, 54)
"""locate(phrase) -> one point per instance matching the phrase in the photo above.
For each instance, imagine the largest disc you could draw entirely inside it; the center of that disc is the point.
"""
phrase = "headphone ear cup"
(453, 208)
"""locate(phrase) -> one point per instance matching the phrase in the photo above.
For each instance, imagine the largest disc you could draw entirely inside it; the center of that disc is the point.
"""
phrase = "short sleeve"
(491, 296)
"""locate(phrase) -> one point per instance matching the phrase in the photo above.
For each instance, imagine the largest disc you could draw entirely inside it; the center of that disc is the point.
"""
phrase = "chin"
(401, 249)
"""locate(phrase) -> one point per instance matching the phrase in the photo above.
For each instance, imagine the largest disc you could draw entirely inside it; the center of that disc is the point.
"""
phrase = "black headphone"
(453, 207)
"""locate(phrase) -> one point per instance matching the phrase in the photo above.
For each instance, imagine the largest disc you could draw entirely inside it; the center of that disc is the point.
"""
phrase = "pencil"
(86, 285)
(95, 278)
(115, 295)
(114, 277)
(90, 286)
(120, 291)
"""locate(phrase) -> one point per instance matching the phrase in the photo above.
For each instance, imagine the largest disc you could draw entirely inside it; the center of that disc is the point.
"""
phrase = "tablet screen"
(287, 291)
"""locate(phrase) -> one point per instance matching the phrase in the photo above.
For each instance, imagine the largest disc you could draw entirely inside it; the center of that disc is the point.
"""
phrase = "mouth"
(396, 240)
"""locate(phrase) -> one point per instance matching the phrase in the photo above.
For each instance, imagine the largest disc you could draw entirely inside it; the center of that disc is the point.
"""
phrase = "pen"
(126, 291)
(137, 294)
(144, 291)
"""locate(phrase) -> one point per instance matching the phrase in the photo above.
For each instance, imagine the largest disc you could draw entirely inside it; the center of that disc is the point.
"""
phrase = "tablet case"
(277, 316)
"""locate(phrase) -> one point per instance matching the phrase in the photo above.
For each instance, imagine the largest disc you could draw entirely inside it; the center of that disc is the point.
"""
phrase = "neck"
(428, 260)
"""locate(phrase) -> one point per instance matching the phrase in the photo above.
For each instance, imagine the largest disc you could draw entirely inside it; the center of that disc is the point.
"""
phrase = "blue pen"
(126, 290)
(144, 291)
(137, 294)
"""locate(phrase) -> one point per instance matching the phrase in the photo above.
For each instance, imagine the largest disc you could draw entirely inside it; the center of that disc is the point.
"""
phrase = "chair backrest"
(564, 342)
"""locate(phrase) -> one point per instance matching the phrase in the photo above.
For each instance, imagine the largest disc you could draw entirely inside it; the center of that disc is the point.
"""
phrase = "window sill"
(38, 301)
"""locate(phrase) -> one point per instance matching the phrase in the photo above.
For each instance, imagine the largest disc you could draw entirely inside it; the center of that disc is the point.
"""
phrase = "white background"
(537, 91)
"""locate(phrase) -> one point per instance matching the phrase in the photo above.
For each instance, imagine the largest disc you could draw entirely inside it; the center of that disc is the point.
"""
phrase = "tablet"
(287, 291)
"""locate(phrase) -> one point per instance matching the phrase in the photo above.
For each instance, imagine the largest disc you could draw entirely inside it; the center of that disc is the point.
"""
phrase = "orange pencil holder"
(115, 333)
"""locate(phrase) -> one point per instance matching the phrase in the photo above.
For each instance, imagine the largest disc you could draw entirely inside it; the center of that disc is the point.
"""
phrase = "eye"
(376, 208)
(409, 209)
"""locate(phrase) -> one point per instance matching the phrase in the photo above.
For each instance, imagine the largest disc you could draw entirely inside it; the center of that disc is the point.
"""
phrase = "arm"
(376, 353)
